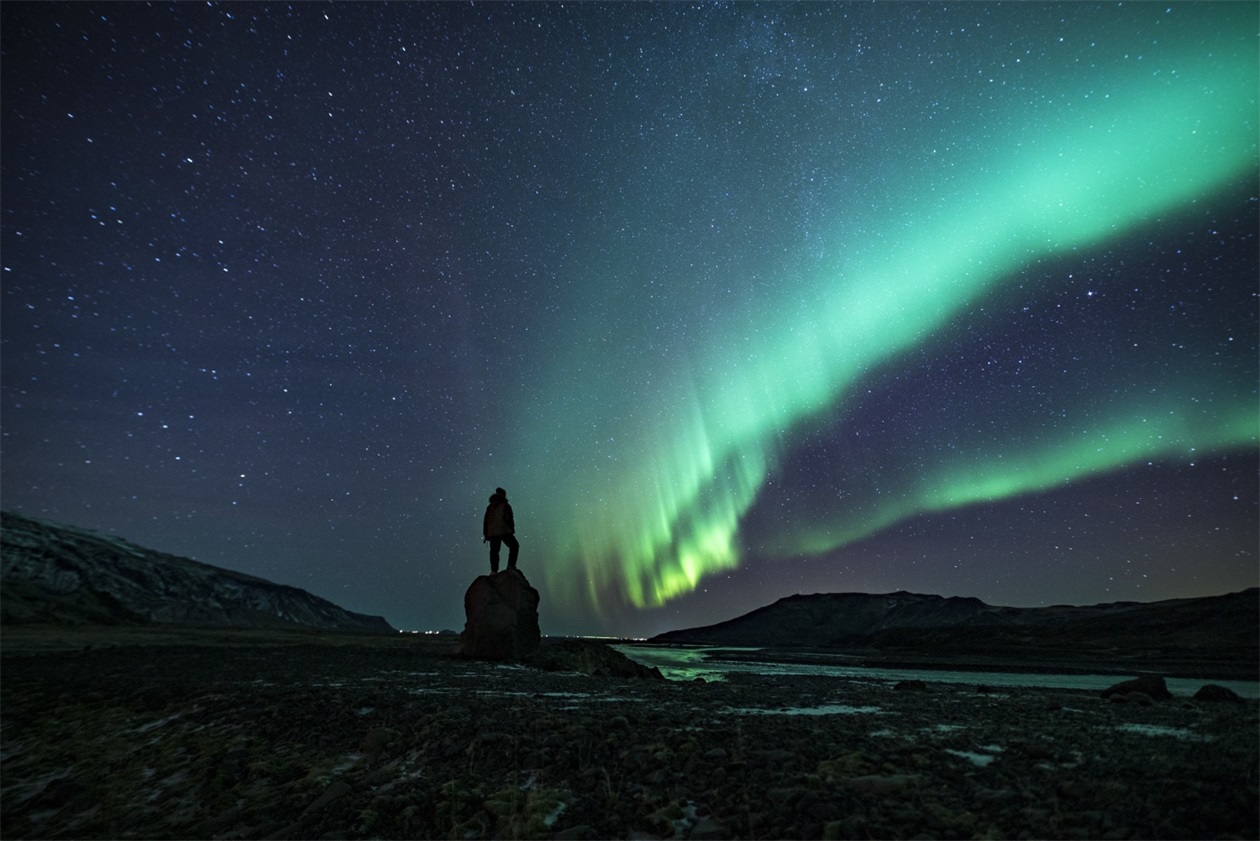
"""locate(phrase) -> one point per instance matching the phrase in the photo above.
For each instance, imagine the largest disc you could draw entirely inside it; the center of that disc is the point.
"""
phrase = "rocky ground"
(263, 735)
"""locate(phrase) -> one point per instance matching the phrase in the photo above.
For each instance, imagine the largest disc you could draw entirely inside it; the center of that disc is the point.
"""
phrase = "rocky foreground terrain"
(134, 733)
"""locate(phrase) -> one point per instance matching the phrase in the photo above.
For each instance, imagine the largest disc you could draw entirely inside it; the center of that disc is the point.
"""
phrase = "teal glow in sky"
(660, 469)
(736, 301)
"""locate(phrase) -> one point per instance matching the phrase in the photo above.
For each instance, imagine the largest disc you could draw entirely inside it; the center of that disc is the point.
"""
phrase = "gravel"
(381, 737)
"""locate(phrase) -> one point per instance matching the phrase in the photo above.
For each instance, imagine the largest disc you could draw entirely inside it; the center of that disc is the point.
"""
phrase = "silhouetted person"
(498, 527)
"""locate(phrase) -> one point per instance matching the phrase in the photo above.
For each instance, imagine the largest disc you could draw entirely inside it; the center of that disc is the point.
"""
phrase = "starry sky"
(737, 301)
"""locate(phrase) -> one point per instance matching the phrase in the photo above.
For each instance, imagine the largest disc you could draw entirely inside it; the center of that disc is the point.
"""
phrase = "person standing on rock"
(498, 527)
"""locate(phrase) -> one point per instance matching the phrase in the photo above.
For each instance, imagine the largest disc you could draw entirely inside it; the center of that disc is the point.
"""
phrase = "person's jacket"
(498, 521)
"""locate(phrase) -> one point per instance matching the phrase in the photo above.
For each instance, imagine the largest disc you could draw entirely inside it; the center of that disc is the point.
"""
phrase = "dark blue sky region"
(736, 301)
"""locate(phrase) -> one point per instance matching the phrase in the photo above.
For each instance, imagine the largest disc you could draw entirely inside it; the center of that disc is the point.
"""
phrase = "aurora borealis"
(735, 301)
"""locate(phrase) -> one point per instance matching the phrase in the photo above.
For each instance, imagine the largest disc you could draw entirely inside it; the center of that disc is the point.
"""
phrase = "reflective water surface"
(687, 663)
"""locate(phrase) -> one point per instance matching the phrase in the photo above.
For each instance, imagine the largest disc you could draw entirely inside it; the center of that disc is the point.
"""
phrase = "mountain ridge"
(59, 574)
(1211, 628)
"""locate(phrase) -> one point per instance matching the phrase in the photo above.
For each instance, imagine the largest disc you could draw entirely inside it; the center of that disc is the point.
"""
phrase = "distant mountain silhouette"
(63, 575)
(1214, 628)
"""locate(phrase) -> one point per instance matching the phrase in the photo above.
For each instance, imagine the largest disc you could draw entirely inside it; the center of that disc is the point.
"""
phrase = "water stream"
(688, 663)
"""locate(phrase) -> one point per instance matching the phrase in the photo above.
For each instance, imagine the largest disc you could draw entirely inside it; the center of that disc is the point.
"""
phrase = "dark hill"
(1220, 629)
(63, 575)
(828, 619)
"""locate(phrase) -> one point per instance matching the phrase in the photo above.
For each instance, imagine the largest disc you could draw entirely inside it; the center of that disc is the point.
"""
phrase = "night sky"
(736, 301)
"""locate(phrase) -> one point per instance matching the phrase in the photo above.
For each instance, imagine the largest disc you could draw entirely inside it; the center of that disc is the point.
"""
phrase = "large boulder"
(1214, 692)
(1152, 686)
(502, 611)
(590, 657)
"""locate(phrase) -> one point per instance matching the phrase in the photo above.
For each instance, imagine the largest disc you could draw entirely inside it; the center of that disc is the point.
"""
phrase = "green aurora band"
(684, 453)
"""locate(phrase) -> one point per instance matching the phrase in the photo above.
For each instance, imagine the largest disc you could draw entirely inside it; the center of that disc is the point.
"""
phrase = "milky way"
(736, 302)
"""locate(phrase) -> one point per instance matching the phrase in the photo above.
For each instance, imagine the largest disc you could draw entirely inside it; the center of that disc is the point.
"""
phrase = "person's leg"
(494, 554)
(513, 548)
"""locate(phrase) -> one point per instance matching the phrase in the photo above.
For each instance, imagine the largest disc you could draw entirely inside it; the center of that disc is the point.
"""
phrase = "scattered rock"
(381, 775)
(879, 784)
(782, 795)
(590, 657)
(772, 755)
(374, 742)
(1217, 693)
(220, 822)
(502, 612)
(994, 795)
(710, 829)
(1037, 751)
(61, 793)
(910, 686)
(1152, 686)
(339, 788)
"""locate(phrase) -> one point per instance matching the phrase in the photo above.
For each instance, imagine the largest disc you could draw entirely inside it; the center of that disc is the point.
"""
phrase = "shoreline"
(19, 639)
(1027, 662)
